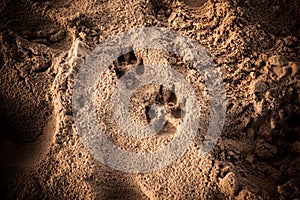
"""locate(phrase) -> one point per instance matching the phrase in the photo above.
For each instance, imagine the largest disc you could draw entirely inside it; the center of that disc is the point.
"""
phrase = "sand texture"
(255, 46)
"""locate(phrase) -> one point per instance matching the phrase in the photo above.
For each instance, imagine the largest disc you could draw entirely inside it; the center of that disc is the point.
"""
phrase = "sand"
(255, 46)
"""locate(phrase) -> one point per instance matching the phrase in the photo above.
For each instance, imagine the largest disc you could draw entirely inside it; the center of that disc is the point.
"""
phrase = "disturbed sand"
(254, 44)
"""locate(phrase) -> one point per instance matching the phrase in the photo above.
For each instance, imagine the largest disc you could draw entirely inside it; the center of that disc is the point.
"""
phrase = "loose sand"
(255, 45)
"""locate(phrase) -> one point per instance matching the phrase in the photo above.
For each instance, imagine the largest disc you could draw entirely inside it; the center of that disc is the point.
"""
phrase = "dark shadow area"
(281, 18)
(114, 184)
(29, 20)
(26, 126)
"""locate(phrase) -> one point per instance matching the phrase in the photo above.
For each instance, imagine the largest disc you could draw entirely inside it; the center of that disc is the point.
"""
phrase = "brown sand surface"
(254, 44)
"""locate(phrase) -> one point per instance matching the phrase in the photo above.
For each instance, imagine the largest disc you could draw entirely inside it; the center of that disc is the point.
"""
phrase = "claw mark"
(160, 97)
(172, 99)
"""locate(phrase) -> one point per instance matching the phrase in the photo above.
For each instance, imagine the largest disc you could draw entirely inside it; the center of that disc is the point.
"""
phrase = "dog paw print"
(167, 99)
(126, 62)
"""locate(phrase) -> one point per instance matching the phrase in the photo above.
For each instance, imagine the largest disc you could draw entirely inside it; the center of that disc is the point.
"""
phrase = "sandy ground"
(255, 45)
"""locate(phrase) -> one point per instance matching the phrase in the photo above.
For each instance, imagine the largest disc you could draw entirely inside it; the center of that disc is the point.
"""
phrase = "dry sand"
(255, 45)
